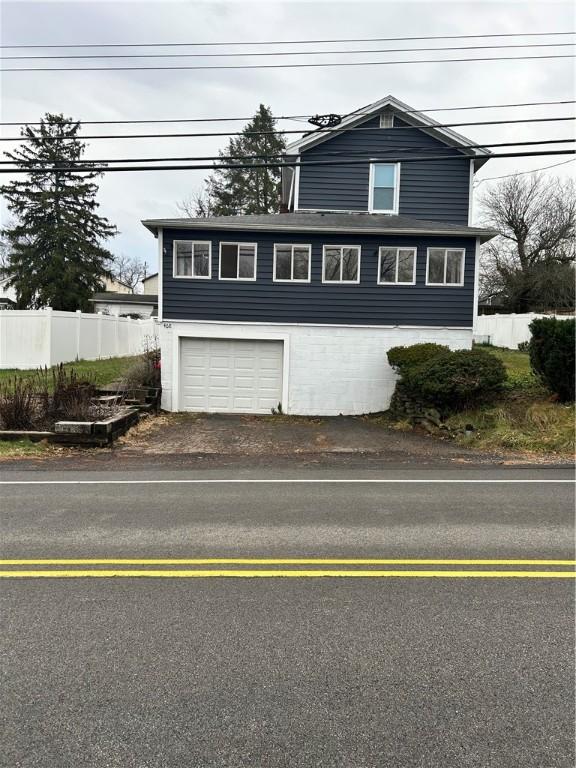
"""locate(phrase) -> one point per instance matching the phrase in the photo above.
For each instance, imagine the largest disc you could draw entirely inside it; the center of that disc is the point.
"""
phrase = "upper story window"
(238, 261)
(292, 263)
(192, 258)
(341, 264)
(445, 266)
(384, 187)
(397, 266)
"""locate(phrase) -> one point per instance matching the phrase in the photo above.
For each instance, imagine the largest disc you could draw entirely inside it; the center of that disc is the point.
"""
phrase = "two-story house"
(298, 309)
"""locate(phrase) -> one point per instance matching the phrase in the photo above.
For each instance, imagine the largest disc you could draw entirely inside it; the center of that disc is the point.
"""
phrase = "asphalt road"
(376, 671)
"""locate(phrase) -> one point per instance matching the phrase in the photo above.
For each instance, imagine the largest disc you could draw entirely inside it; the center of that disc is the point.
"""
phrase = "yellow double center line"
(275, 568)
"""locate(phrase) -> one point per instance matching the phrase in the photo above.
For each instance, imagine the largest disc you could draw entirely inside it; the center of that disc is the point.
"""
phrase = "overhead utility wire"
(280, 53)
(317, 132)
(284, 66)
(290, 42)
(349, 153)
(477, 182)
(259, 166)
(300, 117)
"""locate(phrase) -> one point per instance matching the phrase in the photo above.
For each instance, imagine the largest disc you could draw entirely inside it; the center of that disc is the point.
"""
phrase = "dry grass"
(523, 418)
(519, 423)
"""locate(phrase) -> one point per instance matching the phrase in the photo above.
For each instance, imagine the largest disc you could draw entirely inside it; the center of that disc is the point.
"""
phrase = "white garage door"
(230, 375)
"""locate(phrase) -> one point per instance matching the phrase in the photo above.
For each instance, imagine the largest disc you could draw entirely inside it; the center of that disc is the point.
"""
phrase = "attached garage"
(230, 375)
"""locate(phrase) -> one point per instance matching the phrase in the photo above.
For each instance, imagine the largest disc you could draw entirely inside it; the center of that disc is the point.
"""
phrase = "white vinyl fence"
(507, 330)
(34, 338)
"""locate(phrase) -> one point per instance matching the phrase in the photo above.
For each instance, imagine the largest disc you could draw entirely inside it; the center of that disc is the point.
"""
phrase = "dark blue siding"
(432, 190)
(364, 304)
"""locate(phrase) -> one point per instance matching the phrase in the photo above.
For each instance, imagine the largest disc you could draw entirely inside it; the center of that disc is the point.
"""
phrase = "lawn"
(99, 371)
(13, 449)
(524, 417)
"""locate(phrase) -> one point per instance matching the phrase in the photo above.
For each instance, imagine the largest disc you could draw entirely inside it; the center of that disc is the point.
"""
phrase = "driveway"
(212, 441)
(341, 439)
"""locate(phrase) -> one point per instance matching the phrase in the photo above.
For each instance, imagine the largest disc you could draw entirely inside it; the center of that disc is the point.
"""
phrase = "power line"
(291, 42)
(284, 66)
(260, 166)
(317, 132)
(522, 173)
(300, 117)
(280, 53)
(455, 152)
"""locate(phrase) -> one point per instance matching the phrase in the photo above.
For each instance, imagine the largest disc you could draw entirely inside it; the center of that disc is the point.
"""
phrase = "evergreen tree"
(55, 252)
(233, 191)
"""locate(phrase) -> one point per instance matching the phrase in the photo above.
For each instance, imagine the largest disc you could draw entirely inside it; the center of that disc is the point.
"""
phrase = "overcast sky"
(128, 198)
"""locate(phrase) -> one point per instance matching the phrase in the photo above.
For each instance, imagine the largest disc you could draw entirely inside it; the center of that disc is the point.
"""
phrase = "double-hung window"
(238, 261)
(341, 264)
(397, 266)
(445, 266)
(384, 187)
(291, 263)
(192, 258)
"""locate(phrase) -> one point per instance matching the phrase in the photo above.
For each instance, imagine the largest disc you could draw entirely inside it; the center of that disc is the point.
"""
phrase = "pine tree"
(55, 252)
(233, 191)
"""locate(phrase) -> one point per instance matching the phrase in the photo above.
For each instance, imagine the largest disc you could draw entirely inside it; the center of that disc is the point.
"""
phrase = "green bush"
(455, 380)
(552, 354)
(404, 358)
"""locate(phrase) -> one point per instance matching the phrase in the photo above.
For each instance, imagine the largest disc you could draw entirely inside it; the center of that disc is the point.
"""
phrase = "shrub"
(455, 380)
(404, 358)
(523, 346)
(17, 404)
(145, 372)
(552, 354)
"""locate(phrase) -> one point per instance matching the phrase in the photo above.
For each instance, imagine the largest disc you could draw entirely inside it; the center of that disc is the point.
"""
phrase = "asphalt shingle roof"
(331, 222)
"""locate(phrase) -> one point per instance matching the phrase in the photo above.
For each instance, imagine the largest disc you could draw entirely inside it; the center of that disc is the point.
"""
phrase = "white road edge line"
(300, 481)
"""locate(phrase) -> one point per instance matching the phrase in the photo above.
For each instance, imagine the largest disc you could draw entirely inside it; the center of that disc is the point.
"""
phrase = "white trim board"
(170, 321)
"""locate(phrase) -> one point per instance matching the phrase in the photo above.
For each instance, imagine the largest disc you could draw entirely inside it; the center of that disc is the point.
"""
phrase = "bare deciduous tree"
(198, 205)
(530, 264)
(129, 270)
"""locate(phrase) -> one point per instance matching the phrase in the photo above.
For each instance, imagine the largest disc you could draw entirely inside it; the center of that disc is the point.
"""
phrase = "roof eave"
(483, 234)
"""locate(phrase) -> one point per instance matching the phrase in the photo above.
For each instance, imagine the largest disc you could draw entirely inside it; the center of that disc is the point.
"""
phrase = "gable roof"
(408, 114)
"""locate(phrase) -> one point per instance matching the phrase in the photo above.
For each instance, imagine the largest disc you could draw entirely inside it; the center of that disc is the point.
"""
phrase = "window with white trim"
(292, 263)
(238, 261)
(341, 264)
(192, 258)
(384, 187)
(396, 266)
(445, 266)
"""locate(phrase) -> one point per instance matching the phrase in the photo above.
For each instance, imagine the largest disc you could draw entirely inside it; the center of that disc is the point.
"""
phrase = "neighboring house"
(489, 304)
(297, 310)
(7, 294)
(113, 285)
(124, 304)
(150, 284)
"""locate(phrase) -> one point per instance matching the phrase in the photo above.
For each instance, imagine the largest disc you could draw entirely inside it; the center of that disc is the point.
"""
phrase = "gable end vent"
(386, 120)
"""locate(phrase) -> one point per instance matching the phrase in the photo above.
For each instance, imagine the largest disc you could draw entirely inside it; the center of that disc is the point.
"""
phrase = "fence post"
(78, 333)
(48, 336)
(117, 335)
(99, 335)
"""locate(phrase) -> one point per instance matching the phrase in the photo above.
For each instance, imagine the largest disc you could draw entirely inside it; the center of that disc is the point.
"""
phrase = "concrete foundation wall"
(329, 370)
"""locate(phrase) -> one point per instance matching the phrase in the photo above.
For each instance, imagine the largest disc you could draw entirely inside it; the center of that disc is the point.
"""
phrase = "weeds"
(17, 404)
